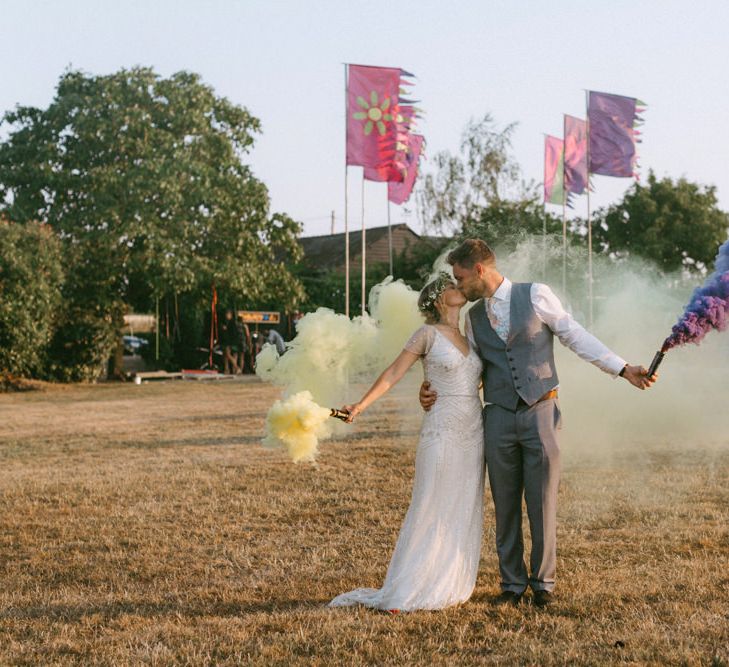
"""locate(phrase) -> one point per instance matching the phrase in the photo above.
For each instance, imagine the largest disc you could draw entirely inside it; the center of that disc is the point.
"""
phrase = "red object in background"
(213, 323)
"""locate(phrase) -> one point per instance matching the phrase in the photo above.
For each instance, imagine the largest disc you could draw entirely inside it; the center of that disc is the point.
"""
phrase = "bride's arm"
(387, 380)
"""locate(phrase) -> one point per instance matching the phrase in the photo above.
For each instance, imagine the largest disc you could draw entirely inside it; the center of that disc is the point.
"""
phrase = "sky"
(527, 62)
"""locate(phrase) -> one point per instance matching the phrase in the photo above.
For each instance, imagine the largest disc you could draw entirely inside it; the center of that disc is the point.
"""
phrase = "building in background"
(327, 252)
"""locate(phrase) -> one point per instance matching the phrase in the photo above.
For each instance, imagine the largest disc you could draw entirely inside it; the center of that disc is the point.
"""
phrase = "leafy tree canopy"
(502, 223)
(143, 178)
(30, 296)
(677, 224)
(482, 173)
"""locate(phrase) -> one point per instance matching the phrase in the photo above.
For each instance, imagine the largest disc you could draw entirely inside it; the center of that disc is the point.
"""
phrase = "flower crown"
(442, 280)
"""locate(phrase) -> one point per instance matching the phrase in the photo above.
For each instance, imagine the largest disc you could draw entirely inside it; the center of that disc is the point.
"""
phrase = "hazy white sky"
(528, 62)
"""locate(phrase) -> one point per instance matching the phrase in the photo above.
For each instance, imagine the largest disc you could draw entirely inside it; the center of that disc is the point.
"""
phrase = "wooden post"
(156, 328)
(389, 236)
(346, 209)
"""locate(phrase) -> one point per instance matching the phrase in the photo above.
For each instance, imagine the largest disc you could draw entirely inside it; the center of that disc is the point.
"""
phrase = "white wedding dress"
(436, 558)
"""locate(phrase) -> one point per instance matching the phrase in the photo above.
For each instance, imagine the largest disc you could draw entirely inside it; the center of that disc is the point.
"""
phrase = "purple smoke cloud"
(708, 308)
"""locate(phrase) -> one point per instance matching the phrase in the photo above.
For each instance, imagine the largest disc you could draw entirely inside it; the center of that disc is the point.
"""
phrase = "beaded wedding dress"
(436, 558)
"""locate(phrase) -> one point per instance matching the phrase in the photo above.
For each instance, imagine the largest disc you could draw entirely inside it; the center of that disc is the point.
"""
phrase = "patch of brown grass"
(147, 525)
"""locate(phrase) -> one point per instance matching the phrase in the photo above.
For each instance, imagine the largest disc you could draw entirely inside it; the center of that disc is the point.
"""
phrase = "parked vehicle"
(134, 344)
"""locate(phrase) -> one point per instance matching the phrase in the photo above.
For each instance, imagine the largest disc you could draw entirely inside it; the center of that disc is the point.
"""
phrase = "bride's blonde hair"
(430, 294)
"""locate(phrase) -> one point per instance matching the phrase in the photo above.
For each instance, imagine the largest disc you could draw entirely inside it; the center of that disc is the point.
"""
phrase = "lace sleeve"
(421, 341)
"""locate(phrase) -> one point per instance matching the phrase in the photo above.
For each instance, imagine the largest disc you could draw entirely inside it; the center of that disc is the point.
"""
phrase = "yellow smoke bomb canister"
(339, 414)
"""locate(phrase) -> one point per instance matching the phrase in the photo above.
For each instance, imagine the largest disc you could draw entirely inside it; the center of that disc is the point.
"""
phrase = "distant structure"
(327, 252)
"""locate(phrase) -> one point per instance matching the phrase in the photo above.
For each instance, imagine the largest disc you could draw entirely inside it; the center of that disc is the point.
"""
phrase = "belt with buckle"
(548, 395)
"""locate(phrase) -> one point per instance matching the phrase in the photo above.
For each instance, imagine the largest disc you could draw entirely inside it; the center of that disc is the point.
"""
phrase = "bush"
(167, 360)
(84, 341)
(31, 277)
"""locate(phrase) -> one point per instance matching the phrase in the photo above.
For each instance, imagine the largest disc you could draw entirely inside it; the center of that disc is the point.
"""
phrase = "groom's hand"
(638, 376)
(427, 397)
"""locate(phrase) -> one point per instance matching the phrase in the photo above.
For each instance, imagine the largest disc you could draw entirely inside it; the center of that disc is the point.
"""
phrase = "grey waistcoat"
(524, 365)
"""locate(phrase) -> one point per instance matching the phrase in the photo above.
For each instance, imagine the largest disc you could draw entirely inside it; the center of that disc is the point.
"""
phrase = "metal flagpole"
(544, 241)
(389, 235)
(589, 214)
(564, 246)
(346, 216)
(364, 246)
(564, 208)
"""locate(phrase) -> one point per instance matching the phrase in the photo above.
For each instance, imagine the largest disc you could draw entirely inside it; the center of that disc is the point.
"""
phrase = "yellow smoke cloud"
(330, 351)
(297, 424)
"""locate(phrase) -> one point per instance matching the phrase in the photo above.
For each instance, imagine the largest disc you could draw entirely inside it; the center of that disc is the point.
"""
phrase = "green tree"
(143, 178)
(502, 223)
(481, 174)
(30, 296)
(676, 224)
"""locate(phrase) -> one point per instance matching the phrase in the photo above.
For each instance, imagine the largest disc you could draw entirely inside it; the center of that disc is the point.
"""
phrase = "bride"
(436, 558)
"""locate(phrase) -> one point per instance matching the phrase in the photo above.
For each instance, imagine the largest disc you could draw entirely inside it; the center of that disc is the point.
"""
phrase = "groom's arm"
(574, 336)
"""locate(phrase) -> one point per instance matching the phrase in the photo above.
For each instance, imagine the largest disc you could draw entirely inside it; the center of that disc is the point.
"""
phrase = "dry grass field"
(145, 525)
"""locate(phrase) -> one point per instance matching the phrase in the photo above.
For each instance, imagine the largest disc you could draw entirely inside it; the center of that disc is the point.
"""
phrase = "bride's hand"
(353, 411)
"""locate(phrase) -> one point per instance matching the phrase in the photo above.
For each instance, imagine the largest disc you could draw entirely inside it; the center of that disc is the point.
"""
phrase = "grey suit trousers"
(523, 460)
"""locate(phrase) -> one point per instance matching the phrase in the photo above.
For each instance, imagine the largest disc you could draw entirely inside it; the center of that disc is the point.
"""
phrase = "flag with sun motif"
(393, 169)
(372, 100)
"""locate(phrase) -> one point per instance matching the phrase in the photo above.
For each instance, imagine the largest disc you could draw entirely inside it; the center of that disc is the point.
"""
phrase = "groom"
(512, 326)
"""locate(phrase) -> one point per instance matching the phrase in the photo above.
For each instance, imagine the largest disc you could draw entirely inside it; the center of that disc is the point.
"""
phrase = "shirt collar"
(503, 292)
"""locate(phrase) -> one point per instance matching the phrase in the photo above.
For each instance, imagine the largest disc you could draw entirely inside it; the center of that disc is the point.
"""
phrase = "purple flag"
(575, 155)
(612, 137)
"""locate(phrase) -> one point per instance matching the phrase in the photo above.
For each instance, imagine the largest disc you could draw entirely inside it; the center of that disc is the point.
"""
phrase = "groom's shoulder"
(477, 307)
(476, 304)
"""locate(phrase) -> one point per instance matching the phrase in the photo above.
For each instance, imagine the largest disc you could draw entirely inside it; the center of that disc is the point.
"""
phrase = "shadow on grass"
(203, 418)
(227, 441)
(73, 613)
(373, 435)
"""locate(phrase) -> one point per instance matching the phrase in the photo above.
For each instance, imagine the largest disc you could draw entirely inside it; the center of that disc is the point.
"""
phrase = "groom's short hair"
(470, 252)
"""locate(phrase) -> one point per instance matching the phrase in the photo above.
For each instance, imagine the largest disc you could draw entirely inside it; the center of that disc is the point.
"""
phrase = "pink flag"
(575, 155)
(553, 170)
(393, 171)
(399, 193)
(372, 95)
